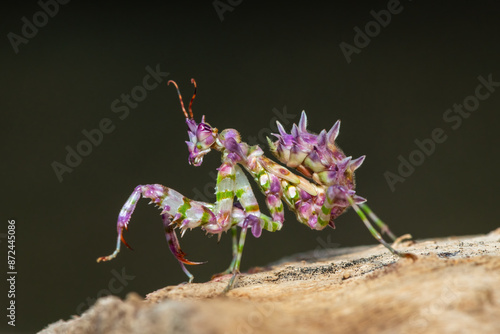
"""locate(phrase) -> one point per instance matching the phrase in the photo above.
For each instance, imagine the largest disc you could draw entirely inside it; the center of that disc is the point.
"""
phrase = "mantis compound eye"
(205, 135)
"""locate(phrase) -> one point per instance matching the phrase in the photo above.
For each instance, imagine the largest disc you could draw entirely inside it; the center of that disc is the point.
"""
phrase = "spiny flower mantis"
(323, 193)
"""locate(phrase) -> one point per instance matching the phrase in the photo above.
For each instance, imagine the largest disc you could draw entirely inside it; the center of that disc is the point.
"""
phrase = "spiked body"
(323, 192)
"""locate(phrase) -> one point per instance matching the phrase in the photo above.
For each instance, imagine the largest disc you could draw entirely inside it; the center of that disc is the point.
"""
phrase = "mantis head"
(202, 136)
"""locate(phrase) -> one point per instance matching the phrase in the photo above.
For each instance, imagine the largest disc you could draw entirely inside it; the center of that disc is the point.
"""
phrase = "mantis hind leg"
(374, 232)
(381, 225)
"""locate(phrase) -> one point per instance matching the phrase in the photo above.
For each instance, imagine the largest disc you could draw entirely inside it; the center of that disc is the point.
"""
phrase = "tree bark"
(453, 287)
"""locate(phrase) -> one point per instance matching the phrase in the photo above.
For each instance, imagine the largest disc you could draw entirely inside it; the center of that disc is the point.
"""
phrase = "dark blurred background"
(252, 61)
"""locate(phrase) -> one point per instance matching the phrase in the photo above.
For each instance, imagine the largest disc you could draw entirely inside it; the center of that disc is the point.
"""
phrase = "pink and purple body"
(323, 193)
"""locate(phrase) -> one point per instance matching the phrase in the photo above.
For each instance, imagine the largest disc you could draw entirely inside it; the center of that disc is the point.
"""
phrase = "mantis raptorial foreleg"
(184, 213)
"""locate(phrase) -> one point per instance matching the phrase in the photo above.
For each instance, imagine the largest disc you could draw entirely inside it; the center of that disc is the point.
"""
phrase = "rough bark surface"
(453, 287)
